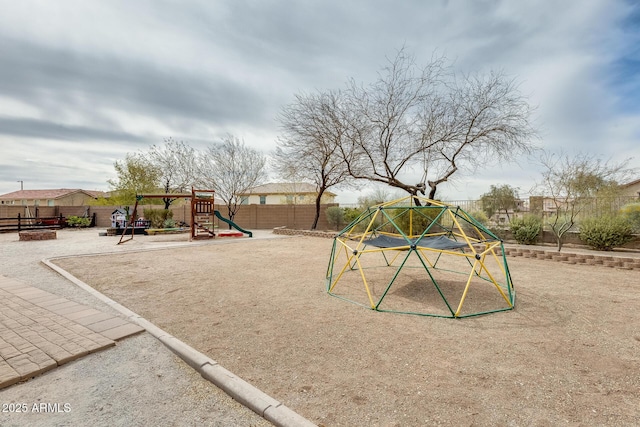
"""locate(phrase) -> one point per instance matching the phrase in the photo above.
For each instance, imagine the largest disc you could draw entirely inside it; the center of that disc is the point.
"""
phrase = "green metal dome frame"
(455, 266)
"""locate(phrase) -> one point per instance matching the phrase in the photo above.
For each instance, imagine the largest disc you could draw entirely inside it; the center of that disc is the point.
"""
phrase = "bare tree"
(500, 198)
(427, 119)
(310, 143)
(570, 184)
(177, 163)
(231, 169)
(376, 196)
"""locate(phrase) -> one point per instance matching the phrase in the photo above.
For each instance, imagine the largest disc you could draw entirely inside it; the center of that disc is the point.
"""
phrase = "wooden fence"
(20, 222)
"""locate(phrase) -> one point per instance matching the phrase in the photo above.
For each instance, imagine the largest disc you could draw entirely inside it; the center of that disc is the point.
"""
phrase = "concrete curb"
(259, 402)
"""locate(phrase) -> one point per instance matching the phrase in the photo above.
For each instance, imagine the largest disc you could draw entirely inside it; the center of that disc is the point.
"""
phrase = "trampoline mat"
(432, 242)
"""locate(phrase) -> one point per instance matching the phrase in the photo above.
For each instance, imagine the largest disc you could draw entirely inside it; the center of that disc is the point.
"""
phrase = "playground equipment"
(202, 213)
(419, 256)
(202, 209)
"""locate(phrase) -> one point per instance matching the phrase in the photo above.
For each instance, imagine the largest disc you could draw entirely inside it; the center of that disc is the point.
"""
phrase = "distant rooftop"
(47, 194)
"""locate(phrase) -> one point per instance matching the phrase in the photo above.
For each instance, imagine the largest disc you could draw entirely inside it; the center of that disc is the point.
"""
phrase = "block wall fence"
(249, 217)
(257, 217)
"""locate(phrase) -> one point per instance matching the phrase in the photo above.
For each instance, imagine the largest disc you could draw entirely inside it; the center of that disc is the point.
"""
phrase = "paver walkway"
(40, 330)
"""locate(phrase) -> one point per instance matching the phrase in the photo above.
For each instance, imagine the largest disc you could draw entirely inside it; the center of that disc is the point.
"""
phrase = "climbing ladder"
(202, 212)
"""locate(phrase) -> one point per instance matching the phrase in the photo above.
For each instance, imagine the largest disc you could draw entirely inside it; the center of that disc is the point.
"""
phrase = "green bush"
(157, 217)
(335, 216)
(350, 214)
(479, 216)
(421, 217)
(606, 232)
(76, 221)
(469, 227)
(631, 212)
(499, 231)
(526, 230)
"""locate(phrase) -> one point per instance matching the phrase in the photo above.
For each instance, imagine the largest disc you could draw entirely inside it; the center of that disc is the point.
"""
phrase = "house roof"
(286, 188)
(629, 184)
(47, 194)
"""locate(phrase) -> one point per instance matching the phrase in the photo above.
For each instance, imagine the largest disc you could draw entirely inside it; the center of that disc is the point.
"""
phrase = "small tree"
(176, 162)
(309, 147)
(135, 175)
(500, 198)
(335, 216)
(571, 183)
(231, 169)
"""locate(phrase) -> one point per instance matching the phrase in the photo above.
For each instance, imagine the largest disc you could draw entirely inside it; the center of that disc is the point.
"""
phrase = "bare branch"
(231, 169)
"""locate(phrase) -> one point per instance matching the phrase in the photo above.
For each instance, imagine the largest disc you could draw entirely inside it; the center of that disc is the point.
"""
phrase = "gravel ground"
(137, 383)
(568, 354)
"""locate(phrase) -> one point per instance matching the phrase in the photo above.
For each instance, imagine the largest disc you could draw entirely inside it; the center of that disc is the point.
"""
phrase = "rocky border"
(620, 262)
(313, 233)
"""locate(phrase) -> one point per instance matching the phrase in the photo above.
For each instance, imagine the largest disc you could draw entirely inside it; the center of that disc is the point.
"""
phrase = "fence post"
(18, 221)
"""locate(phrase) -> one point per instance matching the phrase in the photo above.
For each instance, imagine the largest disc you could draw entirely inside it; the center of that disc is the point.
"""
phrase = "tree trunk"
(317, 217)
(231, 213)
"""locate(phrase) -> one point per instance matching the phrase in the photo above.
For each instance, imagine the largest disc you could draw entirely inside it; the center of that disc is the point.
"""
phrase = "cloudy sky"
(84, 82)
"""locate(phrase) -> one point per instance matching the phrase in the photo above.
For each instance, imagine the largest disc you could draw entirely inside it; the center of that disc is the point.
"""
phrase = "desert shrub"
(499, 231)
(157, 217)
(631, 212)
(469, 227)
(420, 218)
(169, 223)
(350, 214)
(526, 230)
(606, 232)
(479, 216)
(335, 216)
(76, 221)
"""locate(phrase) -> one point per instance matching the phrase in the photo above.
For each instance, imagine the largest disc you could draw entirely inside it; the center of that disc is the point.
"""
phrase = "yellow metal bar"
(472, 239)
(411, 222)
(366, 232)
(495, 256)
(395, 257)
(335, 282)
(496, 285)
(347, 264)
(464, 235)
(425, 257)
(366, 286)
(467, 217)
(466, 289)
(424, 248)
(364, 280)
(399, 248)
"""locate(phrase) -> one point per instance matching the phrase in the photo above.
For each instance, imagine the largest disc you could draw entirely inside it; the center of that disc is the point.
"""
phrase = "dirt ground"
(568, 354)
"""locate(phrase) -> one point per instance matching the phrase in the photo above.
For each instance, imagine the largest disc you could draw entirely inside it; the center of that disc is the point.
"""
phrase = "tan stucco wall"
(633, 190)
